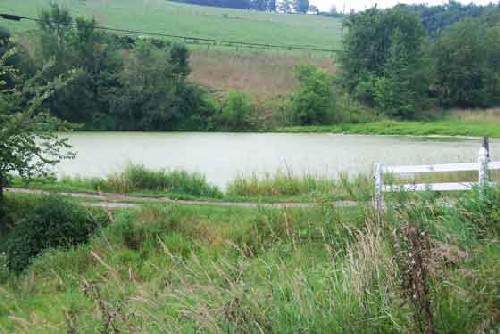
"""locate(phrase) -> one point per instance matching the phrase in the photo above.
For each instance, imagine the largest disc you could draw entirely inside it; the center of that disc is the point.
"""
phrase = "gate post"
(483, 169)
(379, 187)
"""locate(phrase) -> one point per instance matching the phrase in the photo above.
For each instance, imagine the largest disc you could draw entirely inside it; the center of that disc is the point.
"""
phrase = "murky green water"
(223, 156)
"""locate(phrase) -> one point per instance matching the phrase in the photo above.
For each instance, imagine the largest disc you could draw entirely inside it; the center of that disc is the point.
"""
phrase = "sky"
(326, 5)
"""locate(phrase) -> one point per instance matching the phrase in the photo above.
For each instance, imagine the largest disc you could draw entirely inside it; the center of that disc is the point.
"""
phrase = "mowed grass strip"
(440, 128)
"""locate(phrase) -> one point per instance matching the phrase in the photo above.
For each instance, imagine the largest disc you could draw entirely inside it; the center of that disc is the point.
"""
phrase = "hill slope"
(194, 21)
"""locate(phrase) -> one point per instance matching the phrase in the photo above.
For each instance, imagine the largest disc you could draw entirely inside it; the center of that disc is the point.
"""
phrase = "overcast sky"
(326, 5)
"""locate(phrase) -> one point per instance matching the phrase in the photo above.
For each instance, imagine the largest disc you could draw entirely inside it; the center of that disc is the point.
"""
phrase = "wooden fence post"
(486, 145)
(379, 187)
(483, 169)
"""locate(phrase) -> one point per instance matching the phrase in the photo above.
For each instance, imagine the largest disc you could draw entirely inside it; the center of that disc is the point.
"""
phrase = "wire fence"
(193, 40)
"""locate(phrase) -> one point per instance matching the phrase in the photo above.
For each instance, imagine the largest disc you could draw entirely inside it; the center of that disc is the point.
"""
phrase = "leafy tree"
(235, 111)
(383, 51)
(492, 58)
(27, 139)
(314, 100)
(144, 88)
(86, 99)
(436, 18)
(4, 40)
(259, 4)
(238, 4)
(402, 91)
(55, 25)
(460, 56)
(154, 93)
(10, 60)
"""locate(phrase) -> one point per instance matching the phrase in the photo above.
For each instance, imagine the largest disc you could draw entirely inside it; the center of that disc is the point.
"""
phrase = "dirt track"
(114, 201)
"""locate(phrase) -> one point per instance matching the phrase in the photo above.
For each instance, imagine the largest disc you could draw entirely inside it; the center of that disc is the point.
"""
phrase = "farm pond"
(224, 156)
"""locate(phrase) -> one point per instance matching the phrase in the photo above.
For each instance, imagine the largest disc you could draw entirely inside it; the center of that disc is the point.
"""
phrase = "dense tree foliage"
(314, 100)
(28, 141)
(467, 65)
(389, 62)
(436, 18)
(382, 57)
(235, 111)
(119, 84)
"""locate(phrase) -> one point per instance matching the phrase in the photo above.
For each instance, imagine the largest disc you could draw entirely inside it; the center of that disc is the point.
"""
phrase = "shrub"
(314, 101)
(51, 223)
(235, 111)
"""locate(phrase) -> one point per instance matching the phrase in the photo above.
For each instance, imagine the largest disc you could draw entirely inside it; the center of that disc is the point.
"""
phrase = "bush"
(235, 111)
(314, 101)
(51, 223)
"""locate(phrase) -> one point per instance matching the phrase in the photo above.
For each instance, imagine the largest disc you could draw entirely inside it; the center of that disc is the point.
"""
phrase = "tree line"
(436, 18)
(391, 64)
(116, 83)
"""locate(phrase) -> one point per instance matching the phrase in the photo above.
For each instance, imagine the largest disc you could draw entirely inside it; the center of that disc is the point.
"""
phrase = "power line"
(186, 39)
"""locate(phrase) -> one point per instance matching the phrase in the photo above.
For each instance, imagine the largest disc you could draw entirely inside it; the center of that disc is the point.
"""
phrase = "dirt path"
(115, 201)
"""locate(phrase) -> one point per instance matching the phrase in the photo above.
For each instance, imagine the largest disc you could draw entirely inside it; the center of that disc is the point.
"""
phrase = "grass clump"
(137, 177)
(283, 184)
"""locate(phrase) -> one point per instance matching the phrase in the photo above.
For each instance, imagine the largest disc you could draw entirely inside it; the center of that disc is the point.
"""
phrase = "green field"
(203, 22)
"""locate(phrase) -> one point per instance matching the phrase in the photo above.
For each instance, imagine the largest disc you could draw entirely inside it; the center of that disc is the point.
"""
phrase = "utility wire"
(187, 39)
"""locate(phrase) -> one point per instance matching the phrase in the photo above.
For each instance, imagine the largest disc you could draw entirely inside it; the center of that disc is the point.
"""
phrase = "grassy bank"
(327, 269)
(280, 187)
(439, 128)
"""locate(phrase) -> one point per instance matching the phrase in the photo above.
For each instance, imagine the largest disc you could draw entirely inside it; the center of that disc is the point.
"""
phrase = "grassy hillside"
(263, 74)
(186, 20)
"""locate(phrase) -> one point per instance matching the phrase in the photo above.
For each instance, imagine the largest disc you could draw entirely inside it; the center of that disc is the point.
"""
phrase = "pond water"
(223, 156)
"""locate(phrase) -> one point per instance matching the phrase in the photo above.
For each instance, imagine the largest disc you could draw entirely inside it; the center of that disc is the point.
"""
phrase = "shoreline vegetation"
(139, 182)
(281, 187)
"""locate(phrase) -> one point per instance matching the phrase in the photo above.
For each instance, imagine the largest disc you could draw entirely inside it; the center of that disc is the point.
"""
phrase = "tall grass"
(475, 115)
(137, 177)
(261, 76)
(134, 179)
(284, 183)
(280, 186)
(241, 270)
